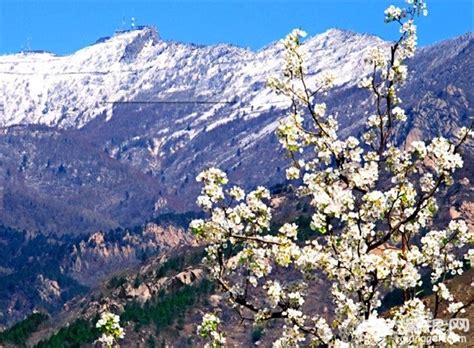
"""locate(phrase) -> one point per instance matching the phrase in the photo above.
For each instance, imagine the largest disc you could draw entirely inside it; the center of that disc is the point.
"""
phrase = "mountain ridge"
(106, 58)
(102, 165)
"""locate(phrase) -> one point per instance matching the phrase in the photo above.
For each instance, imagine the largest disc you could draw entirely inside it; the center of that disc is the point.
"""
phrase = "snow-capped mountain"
(70, 91)
(116, 132)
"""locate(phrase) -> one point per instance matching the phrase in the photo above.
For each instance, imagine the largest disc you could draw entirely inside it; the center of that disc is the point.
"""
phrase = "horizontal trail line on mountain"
(243, 61)
(105, 72)
(169, 102)
(248, 110)
(249, 106)
(56, 74)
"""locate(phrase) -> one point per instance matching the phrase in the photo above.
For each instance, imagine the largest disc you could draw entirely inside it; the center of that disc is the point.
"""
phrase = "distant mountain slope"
(76, 162)
(42, 272)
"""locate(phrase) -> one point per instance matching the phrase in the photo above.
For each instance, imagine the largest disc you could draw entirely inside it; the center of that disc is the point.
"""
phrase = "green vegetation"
(21, 331)
(178, 263)
(79, 332)
(177, 219)
(166, 309)
(116, 282)
(151, 342)
(257, 334)
(25, 259)
(162, 312)
(304, 230)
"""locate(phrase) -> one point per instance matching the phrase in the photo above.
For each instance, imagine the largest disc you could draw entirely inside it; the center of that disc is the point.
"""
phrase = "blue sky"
(66, 26)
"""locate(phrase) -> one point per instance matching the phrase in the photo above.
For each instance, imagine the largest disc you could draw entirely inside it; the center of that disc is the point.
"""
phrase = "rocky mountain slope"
(115, 133)
(42, 272)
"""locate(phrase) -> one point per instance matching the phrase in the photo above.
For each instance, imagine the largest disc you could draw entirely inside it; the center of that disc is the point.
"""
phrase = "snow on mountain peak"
(145, 36)
(70, 91)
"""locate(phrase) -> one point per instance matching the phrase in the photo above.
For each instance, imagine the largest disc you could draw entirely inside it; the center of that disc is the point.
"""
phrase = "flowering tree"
(109, 325)
(373, 205)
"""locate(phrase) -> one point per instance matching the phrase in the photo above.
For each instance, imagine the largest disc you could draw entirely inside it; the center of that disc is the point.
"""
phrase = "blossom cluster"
(109, 325)
(209, 329)
(213, 179)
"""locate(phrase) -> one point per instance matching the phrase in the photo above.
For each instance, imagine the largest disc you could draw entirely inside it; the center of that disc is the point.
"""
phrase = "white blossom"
(320, 109)
(377, 57)
(209, 329)
(237, 193)
(399, 113)
(289, 230)
(292, 173)
(373, 331)
(393, 13)
(109, 325)
(274, 292)
(366, 82)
